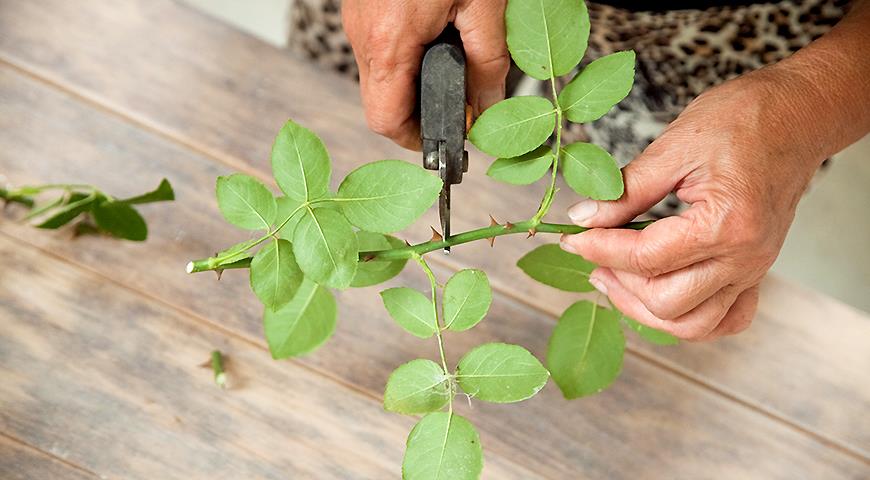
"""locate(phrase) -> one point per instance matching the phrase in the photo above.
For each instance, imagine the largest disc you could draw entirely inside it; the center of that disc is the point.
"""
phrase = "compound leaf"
(586, 349)
(523, 170)
(466, 300)
(275, 276)
(589, 170)
(245, 202)
(374, 272)
(547, 37)
(600, 86)
(412, 310)
(300, 163)
(419, 386)
(501, 373)
(387, 195)
(303, 324)
(443, 446)
(326, 247)
(557, 268)
(120, 220)
(514, 126)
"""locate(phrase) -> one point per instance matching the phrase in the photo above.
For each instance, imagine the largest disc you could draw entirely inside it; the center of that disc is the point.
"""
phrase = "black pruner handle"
(442, 106)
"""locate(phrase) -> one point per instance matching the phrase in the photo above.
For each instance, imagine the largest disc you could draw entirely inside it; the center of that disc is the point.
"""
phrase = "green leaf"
(42, 208)
(514, 126)
(300, 163)
(466, 300)
(275, 276)
(236, 252)
(501, 373)
(78, 203)
(245, 202)
(326, 248)
(285, 207)
(303, 324)
(387, 196)
(650, 334)
(589, 170)
(547, 37)
(120, 220)
(586, 349)
(443, 446)
(557, 268)
(412, 310)
(163, 193)
(523, 170)
(600, 86)
(419, 386)
(376, 271)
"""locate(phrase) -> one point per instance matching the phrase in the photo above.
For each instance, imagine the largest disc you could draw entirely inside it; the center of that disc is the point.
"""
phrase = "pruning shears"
(443, 116)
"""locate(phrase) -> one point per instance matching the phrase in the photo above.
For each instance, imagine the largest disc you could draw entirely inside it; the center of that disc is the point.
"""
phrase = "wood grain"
(618, 434)
(224, 94)
(23, 462)
(113, 382)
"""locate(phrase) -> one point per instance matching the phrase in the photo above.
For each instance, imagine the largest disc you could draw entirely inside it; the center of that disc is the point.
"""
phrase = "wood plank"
(23, 462)
(622, 431)
(229, 98)
(112, 381)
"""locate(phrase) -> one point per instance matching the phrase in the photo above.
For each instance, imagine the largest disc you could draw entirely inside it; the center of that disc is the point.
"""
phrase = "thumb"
(481, 26)
(648, 179)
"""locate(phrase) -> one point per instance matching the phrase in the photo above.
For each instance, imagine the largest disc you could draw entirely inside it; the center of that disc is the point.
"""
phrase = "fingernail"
(598, 285)
(583, 211)
(567, 247)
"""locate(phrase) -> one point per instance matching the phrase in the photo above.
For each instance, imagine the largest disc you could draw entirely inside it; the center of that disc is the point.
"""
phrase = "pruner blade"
(442, 116)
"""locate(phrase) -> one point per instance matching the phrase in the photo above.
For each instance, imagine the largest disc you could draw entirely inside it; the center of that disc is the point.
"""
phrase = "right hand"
(388, 39)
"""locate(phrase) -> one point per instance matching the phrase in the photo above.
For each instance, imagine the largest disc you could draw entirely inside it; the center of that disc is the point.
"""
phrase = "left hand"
(735, 156)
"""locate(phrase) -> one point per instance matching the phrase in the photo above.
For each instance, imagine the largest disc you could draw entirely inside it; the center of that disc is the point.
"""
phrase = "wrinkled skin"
(388, 39)
(696, 275)
(741, 155)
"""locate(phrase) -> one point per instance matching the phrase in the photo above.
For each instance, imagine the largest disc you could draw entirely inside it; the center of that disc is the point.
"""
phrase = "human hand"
(734, 156)
(388, 39)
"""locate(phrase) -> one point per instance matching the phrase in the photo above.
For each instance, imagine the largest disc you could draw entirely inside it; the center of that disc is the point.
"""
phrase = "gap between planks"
(50, 455)
(235, 163)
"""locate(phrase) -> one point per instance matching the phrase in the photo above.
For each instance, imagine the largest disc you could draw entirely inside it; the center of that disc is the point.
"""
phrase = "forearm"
(827, 85)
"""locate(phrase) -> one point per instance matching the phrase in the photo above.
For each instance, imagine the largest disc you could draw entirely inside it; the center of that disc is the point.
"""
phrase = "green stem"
(217, 366)
(527, 227)
(216, 262)
(547, 200)
(13, 197)
(433, 283)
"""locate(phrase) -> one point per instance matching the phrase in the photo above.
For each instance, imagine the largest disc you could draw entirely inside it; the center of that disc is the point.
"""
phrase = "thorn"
(491, 241)
(219, 272)
(368, 258)
(407, 243)
(532, 232)
(436, 237)
(492, 221)
(508, 226)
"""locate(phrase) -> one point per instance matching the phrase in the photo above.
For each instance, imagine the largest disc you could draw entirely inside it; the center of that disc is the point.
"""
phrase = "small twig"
(410, 251)
(217, 366)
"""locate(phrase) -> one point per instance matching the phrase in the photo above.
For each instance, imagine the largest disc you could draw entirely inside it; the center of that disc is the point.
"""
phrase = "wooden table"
(101, 341)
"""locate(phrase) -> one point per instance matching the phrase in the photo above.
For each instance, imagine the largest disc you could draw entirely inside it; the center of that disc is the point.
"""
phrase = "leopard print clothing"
(680, 53)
